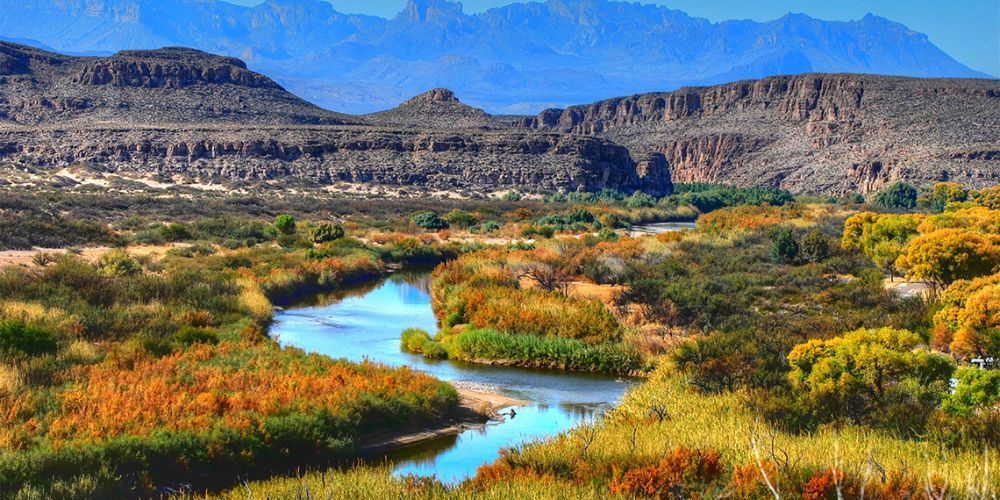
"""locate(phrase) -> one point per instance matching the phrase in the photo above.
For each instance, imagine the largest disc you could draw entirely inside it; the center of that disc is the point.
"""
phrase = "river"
(365, 323)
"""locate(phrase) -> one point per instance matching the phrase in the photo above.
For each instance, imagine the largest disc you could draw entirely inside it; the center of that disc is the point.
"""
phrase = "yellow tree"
(979, 325)
(946, 255)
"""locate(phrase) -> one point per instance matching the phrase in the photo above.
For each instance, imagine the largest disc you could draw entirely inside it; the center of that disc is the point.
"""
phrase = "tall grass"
(542, 352)
(665, 414)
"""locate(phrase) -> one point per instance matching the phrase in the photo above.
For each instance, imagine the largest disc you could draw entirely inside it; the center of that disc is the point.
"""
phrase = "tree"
(460, 218)
(784, 248)
(512, 196)
(944, 193)
(881, 237)
(947, 255)
(883, 377)
(978, 323)
(815, 247)
(899, 195)
(325, 232)
(285, 224)
(430, 221)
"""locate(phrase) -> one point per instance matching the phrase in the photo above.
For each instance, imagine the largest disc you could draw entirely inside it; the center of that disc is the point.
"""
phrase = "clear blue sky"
(968, 30)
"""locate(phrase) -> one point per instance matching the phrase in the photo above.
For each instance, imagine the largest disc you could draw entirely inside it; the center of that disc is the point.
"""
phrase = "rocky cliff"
(183, 114)
(809, 133)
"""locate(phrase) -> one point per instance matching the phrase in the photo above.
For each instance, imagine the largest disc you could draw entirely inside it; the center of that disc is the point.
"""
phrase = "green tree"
(976, 389)
(944, 193)
(882, 377)
(784, 248)
(815, 247)
(325, 232)
(430, 220)
(899, 195)
(285, 224)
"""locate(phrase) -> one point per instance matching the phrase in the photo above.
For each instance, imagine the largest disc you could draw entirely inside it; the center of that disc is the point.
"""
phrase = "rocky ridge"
(179, 113)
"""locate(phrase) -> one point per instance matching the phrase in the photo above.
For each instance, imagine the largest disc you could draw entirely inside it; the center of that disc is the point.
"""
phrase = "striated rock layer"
(182, 113)
(823, 134)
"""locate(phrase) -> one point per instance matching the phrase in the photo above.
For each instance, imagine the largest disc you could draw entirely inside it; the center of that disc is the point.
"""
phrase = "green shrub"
(18, 338)
(815, 247)
(784, 247)
(285, 224)
(977, 389)
(325, 232)
(430, 220)
(118, 263)
(899, 195)
(190, 335)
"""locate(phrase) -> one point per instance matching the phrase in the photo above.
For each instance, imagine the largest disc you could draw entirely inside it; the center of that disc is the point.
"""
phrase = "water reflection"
(365, 323)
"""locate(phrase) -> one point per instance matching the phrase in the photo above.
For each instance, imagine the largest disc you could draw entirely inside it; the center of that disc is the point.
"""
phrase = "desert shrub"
(118, 263)
(190, 335)
(899, 195)
(325, 232)
(430, 220)
(784, 246)
(18, 338)
(460, 218)
(815, 247)
(285, 224)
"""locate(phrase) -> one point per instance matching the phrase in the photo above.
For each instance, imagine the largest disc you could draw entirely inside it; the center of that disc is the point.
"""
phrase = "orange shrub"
(680, 472)
(745, 217)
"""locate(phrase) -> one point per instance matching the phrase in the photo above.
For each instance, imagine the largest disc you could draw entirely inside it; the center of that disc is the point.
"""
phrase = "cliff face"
(180, 112)
(173, 68)
(324, 156)
(808, 133)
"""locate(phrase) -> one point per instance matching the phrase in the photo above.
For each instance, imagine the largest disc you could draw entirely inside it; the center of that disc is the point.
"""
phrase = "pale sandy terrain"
(23, 258)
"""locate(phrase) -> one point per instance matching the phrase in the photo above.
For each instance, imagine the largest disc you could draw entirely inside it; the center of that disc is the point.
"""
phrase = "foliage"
(870, 376)
(977, 389)
(541, 352)
(947, 255)
(898, 195)
(815, 247)
(461, 218)
(18, 338)
(943, 193)
(744, 218)
(418, 341)
(430, 220)
(285, 224)
(118, 263)
(784, 246)
(326, 232)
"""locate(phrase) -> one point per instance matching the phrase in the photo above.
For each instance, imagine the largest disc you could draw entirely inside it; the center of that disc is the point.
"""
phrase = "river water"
(365, 323)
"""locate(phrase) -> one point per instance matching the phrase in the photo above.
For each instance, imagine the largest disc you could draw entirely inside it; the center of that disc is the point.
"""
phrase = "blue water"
(365, 324)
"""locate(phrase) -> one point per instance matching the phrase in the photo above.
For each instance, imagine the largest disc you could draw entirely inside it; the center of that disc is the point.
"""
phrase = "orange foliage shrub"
(206, 387)
(745, 217)
(680, 472)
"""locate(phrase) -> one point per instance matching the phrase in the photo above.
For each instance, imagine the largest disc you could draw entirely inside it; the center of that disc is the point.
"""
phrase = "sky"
(968, 30)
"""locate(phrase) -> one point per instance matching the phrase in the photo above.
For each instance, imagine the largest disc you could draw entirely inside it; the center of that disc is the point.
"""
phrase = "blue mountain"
(519, 58)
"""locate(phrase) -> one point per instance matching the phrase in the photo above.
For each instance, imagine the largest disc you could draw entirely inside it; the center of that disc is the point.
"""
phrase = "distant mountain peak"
(435, 95)
(428, 10)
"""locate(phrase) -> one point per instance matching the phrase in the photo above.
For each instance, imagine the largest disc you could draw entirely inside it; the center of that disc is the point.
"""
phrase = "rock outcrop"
(822, 134)
(179, 112)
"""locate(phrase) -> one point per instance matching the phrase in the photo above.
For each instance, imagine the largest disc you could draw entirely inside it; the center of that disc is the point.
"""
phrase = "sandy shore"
(477, 405)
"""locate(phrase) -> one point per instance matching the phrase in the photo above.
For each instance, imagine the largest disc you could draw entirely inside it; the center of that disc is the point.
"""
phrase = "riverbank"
(477, 407)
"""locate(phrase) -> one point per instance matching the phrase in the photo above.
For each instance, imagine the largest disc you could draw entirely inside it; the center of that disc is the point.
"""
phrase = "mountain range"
(178, 116)
(516, 59)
